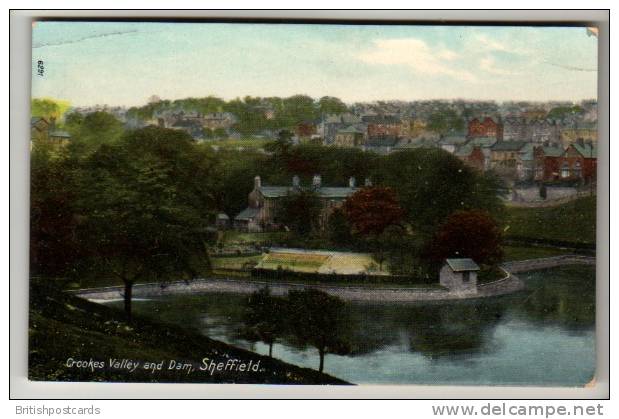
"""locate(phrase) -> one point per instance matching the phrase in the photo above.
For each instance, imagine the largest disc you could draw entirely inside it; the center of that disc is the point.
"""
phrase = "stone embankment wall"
(508, 284)
(545, 263)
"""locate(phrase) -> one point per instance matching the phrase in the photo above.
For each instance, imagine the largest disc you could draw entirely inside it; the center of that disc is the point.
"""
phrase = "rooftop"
(462, 265)
(508, 146)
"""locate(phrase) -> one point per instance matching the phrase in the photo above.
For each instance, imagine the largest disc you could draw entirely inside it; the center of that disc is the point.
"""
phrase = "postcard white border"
(20, 78)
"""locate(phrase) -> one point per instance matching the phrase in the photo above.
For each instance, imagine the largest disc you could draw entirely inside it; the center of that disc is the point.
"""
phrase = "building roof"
(350, 130)
(382, 141)
(553, 151)
(484, 142)
(586, 150)
(381, 119)
(323, 192)
(526, 153)
(462, 265)
(247, 214)
(419, 142)
(453, 138)
(36, 119)
(464, 150)
(58, 133)
(508, 146)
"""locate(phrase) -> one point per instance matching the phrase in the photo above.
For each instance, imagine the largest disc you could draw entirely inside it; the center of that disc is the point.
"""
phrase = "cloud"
(488, 65)
(417, 55)
(488, 44)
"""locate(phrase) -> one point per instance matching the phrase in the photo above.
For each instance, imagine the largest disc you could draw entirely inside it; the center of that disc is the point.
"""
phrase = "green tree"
(320, 320)
(431, 184)
(329, 105)
(299, 211)
(144, 206)
(94, 129)
(264, 317)
(48, 108)
(338, 228)
(54, 251)
(444, 121)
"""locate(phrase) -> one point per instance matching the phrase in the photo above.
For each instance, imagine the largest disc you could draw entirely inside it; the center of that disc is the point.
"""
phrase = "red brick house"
(547, 164)
(487, 127)
(579, 162)
(383, 125)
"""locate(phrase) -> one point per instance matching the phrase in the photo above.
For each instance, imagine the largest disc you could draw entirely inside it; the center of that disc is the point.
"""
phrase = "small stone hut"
(459, 275)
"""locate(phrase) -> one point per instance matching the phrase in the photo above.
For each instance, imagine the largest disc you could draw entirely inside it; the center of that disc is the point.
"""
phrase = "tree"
(144, 207)
(467, 234)
(94, 129)
(372, 209)
(329, 105)
(338, 228)
(263, 317)
(54, 252)
(444, 121)
(319, 320)
(431, 184)
(299, 210)
(48, 108)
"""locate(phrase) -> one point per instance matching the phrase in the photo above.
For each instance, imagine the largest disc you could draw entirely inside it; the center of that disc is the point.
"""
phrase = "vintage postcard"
(313, 203)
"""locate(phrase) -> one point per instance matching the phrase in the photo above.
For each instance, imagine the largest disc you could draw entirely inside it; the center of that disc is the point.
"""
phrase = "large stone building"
(263, 201)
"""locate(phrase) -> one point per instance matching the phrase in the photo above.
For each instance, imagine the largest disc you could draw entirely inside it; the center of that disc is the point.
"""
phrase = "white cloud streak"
(418, 56)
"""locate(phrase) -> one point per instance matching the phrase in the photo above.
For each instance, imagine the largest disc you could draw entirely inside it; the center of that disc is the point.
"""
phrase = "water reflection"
(544, 335)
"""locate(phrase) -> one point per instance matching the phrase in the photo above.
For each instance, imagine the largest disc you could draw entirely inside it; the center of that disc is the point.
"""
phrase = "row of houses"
(195, 123)
(524, 161)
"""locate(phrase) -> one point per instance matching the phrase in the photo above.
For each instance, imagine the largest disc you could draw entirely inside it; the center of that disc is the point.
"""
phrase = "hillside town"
(522, 141)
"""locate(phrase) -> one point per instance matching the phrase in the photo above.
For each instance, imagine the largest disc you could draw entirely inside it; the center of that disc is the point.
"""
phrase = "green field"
(573, 222)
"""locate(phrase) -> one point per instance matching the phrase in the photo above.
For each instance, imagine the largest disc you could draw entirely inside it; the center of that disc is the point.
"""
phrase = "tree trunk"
(271, 350)
(128, 292)
(321, 352)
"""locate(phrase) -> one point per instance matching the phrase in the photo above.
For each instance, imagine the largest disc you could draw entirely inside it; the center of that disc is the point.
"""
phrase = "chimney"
(316, 181)
(351, 182)
(257, 183)
(295, 181)
(368, 182)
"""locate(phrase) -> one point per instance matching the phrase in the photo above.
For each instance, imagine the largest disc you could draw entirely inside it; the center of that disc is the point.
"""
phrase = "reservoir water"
(544, 335)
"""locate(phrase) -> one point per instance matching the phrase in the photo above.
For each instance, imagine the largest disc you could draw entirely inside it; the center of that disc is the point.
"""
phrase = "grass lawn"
(514, 253)
(294, 262)
(572, 222)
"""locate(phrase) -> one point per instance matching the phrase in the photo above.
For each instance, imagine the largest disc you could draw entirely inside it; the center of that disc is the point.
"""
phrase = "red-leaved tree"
(371, 210)
(467, 234)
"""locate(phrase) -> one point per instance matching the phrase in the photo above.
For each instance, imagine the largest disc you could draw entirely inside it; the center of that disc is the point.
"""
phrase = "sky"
(124, 63)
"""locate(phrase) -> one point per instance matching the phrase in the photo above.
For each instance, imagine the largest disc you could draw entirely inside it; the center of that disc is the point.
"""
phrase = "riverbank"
(71, 339)
(510, 283)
